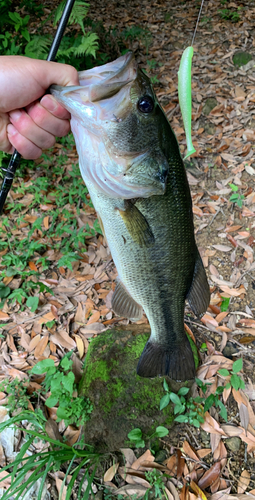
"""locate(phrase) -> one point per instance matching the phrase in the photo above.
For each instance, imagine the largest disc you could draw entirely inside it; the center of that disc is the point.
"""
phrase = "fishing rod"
(9, 172)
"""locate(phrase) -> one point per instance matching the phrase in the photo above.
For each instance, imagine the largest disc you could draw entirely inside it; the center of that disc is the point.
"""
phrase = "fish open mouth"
(105, 81)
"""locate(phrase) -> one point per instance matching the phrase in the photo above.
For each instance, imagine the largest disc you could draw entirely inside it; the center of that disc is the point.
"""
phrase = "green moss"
(241, 58)
(136, 348)
(98, 371)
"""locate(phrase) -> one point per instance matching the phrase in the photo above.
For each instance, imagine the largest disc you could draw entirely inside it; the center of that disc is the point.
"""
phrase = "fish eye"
(145, 104)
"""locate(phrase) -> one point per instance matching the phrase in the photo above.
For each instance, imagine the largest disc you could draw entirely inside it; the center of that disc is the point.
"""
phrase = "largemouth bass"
(131, 163)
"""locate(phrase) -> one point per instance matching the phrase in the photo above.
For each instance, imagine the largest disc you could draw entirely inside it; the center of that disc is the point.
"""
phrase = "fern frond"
(79, 12)
(38, 47)
(88, 45)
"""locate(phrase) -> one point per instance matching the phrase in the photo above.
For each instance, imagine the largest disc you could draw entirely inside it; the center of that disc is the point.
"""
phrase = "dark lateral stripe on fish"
(176, 361)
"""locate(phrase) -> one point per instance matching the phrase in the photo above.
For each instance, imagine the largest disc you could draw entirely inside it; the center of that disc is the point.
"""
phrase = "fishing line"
(198, 19)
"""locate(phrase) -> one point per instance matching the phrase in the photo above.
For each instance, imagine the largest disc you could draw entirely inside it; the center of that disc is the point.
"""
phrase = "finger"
(53, 106)
(26, 148)
(4, 141)
(47, 121)
(28, 129)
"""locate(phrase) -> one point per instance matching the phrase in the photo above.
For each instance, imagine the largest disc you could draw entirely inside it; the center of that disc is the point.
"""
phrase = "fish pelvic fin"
(199, 292)
(176, 361)
(137, 225)
(124, 305)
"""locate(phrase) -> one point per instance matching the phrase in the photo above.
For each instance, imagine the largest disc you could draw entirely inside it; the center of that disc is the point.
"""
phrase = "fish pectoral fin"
(175, 361)
(199, 292)
(137, 225)
(124, 305)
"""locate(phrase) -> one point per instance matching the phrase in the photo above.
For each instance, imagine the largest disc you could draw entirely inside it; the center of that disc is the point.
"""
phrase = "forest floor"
(218, 457)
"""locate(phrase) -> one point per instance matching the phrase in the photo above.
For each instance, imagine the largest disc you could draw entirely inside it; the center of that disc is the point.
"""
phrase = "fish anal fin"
(176, 361)
(124, 305)
(199, 292)
(137, 225)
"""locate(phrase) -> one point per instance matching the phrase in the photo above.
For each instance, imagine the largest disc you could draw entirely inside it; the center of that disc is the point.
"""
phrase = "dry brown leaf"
(171, 464)
(210, 476)
(62, 338)
(94, 317)
(247, 437)
(5, 483)
(4, 316)
(211, 425)
(231, 430)
(128, 490)
(71, 435)
(80, 345)
(222, 248)
(203, 452)
(41, 346)
(200, 494)
(80, 314)
(215, 440)
(110, 473)
(146, 457)
(244, 481)
(51, 428)
(59, 483)
(233, 292)
(173, 490)
(189, 450)
(129, 455)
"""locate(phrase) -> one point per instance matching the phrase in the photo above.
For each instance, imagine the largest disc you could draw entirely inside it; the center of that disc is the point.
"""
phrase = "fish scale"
(131, 163)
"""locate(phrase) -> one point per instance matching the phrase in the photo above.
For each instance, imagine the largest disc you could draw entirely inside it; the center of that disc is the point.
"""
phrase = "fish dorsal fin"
(199, 292)
(124, 305)
(137, 225)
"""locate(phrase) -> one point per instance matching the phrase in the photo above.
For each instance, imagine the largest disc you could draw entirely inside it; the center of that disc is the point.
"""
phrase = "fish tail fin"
(176, 361)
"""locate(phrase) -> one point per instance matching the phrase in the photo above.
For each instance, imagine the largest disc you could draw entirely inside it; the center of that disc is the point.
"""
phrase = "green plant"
(235, 380)
(229, 15)
(75, 46)
(203, 347)
(137, 438)
(16, 390)
(156, 480)
(60, 381)
(27, 468)
(192, 410)
(236, 197)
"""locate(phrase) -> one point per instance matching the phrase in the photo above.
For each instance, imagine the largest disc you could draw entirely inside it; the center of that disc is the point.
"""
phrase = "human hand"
(27, 124)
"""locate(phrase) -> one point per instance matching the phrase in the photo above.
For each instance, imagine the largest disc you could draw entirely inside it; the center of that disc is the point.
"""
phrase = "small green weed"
(16, 390)
(136, 437)
(203, 347)
(235, 380)
(192, 410)
(60, 381)
(187, 410)
(236, 197)
(230, 15)
(156, 480)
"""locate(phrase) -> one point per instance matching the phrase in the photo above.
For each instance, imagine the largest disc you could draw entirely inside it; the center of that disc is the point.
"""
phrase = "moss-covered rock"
(122, 400)
(241, 58)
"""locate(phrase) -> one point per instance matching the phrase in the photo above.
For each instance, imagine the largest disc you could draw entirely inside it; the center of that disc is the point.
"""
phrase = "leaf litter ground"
(76, 305)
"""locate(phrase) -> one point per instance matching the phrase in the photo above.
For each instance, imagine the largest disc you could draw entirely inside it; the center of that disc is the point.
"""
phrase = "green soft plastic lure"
(184, 92)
